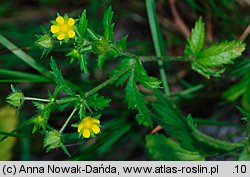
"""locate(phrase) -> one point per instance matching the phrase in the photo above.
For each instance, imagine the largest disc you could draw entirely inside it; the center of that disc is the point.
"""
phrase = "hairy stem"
(94, 90)
(165, 58)
(67, 121)
(36, 99)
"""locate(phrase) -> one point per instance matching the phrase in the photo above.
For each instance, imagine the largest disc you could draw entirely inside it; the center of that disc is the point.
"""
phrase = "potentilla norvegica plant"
(185, 140)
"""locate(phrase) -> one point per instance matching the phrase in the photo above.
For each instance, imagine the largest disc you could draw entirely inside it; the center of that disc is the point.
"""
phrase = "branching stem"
(36, 99)
(67, 121)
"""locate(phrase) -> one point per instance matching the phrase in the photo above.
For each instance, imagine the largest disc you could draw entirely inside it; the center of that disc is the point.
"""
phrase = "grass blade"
(7, 134)
(17, 75)
(24, 57)
(158, 42)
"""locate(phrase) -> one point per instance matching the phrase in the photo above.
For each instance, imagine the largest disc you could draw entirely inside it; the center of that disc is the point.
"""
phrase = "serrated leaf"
(142, 77)
(136, 101)
(207, 71)
(163, 148)
(56, 91)
(196, 40)
(122, 43)
(184, 131)
(47, 110)
(65, 150)
(92, 34)
(83, 23)
(220, 53)
(108, 25)
(97, 102)
(148, 82)
(122, 66)
(83, 63)
(57, 76)
(101, 59)
(172, 120)
(38, 105)
(217, 55)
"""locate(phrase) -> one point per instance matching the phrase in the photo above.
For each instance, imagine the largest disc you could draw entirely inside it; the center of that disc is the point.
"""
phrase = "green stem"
(94, 90)
(66, 100)
(36, 99)
(165, 58)
(158, 42)
(67, 121)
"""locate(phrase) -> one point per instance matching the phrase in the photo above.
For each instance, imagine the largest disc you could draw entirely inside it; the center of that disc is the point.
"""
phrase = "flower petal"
(61, 36)
(96, 121)
(60, 20)
(54, 29)
(71, 34)
(80, 128)
(96, 129)
(86, 133)
(71, 22)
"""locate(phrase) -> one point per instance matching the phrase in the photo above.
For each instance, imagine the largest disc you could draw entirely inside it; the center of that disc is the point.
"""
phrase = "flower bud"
(16, 98)
(39, 121)
(74, 54)
(45, 42)
(52, 140)
(102, 46)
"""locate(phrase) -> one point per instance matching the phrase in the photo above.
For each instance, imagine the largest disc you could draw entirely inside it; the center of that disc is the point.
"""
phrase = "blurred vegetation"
(212, 103)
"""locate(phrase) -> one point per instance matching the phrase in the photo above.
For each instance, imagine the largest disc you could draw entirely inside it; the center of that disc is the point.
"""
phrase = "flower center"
(64, 28)
(87, 124)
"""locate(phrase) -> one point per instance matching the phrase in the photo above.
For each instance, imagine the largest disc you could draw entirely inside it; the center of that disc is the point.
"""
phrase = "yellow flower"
(63, 28)
(89, 126)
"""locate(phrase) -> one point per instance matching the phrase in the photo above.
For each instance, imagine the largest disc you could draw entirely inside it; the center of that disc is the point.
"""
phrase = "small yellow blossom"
(89, 126)
(63, 28)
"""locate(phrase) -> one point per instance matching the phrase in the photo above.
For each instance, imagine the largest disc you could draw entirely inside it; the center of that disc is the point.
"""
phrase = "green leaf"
(142, 77)
(83, 23)
(83, 63)
(172, 120)
(237, 90)
(221, 53)
(162, 148)
(122, 43)
(97, 102)
(93, 35)
(57, 76)
(148, 82)
(245, 113)
(135, 101)
(185, 132)
(196, 40)
(65, 150)
(207, 71)
(217, 55)
(125, 63)
(101, 59)
(244, 155)
(108, 25)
